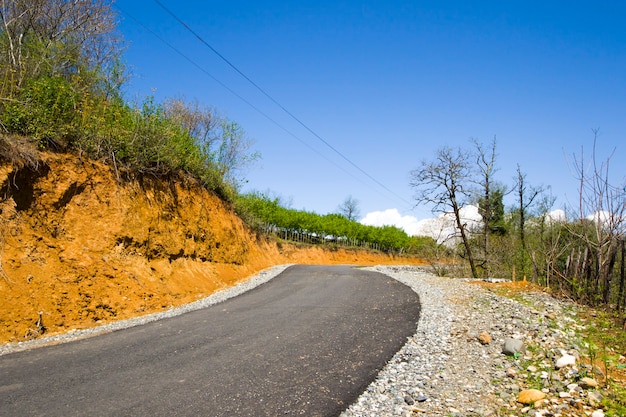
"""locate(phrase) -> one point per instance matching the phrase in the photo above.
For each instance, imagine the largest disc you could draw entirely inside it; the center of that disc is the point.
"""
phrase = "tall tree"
(443, 183)
(490, 205)
(350, 208)
(526, 196)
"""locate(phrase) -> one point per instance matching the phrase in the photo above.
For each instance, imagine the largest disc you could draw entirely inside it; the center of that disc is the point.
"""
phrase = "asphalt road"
(306, 343)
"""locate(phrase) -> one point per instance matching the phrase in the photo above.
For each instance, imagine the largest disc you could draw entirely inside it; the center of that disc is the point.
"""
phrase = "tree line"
(271, 216)
(579, 253)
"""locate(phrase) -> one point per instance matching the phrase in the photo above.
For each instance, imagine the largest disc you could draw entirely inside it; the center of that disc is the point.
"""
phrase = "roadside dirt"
(79, 246)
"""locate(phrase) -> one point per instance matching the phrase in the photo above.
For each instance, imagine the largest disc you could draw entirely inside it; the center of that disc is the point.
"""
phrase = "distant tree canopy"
(62, 71)
(310, 227)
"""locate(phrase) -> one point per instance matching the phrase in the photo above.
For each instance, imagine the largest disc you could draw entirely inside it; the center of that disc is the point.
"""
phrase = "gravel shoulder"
(454, 365)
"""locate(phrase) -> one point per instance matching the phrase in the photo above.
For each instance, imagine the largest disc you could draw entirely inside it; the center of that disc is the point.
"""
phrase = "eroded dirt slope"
(79, 247)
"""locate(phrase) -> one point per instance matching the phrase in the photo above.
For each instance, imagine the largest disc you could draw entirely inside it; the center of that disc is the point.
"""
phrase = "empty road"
(306, 343)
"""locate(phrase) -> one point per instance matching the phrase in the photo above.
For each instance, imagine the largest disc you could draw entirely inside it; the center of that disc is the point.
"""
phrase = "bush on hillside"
(64, 92)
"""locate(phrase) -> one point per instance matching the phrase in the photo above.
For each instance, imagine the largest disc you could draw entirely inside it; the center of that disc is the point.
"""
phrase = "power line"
(273, 100)
(233, 92)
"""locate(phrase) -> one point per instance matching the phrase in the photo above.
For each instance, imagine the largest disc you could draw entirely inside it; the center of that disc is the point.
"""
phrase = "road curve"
(306, 343)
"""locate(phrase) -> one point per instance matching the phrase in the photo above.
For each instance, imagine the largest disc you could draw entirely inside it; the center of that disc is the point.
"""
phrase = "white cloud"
(443, 228)
(391, 217)
(557, 216)
(601, 216)
(440, 228)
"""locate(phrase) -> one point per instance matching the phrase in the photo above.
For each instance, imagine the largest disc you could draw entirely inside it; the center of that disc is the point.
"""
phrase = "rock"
(594, 398)
(511, 372)
(530, 396)
(421, 398)
(598, 372)
(588, 383)
(565, 360)
(409, 400)
(512, 346)
(577, 405)
(484, 338)
(597, 413)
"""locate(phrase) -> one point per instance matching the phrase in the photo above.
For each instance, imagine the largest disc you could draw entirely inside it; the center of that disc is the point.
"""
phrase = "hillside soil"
(81, 244)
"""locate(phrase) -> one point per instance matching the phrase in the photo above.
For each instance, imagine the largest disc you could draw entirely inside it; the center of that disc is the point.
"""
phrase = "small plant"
(602, 340)
(615, 402)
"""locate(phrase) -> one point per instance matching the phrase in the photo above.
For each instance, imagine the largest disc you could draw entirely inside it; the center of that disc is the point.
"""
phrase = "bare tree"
(233, 154)
(526, 197)
(224, 143)
(488, 207)
(200, 123)
(544, 254)
(602, 219)
(57, 37)
(350, 208)
(443, 183)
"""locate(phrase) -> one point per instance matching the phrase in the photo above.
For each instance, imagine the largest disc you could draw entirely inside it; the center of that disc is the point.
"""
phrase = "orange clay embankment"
(83, 248)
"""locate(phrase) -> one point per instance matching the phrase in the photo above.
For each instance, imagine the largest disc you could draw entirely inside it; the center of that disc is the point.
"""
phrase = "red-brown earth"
(79, 246)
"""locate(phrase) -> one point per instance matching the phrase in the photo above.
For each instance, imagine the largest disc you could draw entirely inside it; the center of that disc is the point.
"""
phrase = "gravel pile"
(454, 364)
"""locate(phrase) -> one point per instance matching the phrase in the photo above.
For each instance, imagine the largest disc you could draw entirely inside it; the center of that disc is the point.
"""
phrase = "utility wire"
(233, 92)
(238, 71)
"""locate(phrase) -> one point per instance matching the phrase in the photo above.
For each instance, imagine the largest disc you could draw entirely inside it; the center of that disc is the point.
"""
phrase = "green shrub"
(65, 94)
(45, 109)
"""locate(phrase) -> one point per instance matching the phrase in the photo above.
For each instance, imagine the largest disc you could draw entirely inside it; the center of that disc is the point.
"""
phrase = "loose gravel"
(453, 365)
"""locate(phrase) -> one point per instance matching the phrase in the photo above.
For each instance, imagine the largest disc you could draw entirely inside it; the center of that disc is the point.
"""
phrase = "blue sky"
(387, 83)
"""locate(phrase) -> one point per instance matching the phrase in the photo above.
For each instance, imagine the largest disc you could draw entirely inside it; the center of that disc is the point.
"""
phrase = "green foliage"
(44, 109)
(65, 93)
(492, 212)
(269, 214)
(231, 155)
(605, 342)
